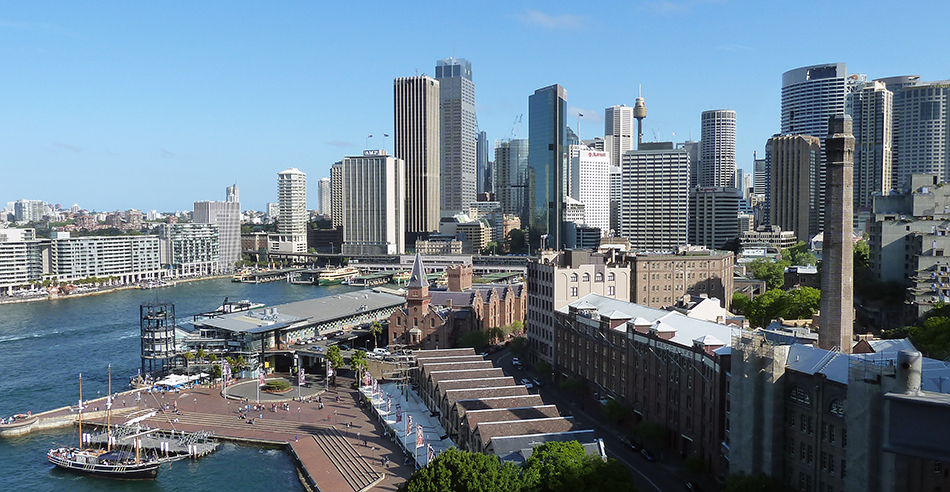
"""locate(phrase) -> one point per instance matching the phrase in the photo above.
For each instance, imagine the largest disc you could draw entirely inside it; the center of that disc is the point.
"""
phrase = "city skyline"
(217, 96)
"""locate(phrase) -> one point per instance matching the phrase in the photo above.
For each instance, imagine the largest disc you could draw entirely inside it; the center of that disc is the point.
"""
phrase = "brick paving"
(333, 470)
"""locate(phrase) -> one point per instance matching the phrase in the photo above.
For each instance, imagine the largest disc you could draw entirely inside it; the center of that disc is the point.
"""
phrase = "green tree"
(516, 327)
(496, 334)
(565, 467)
(740, 303)
(335, 357)
(461, 471)
(200, 355)
(490, 248)
(799, 255)
(216, 371)
(476, 339)
(519, 345)
(376, 329)
(932, 336)
(358, 360)
(614, 410)
(773, 272)
(862, 254)
(802, 303)
(544, 368)
(767, 307)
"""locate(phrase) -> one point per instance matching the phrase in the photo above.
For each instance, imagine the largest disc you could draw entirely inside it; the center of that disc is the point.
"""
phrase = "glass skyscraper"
(458, 135)
(547, 166)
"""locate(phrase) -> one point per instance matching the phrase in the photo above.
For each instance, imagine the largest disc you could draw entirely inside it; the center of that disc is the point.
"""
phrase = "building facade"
(618, 132)
(717, 159)
(871, 108)
(547, 182)
(128, 258)
(417, 142)
(459, 174)
(23, 259)
(590, 176)
(291, 236)
(189, 249)
(227, 216)
(713, 214)
(511, 164)
(324, 196)
(660, 280)
(796, 184)
(373, 204)
(654, 206)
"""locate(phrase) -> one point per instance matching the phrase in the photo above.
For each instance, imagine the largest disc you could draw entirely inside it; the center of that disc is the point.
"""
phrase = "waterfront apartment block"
(669, 368)
(129, 258)
(661, 280)
(559, 278)
(291, 236)
(23, 259)
(189, 249)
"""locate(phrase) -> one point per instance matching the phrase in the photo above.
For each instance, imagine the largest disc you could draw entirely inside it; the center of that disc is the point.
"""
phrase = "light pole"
(196, 405)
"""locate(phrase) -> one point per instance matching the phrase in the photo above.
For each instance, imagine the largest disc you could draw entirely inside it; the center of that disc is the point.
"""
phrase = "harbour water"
(45, 345)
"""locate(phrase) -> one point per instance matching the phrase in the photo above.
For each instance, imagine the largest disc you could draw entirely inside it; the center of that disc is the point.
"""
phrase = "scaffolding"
(157, 321)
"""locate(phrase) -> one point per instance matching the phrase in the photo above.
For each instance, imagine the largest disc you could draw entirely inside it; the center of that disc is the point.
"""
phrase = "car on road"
(629, 444)
(647, 455)
(527, 383)
(317, 348)
(483, 354)
(381, 352)
(537, 382)
(516, 361)
(343, 346)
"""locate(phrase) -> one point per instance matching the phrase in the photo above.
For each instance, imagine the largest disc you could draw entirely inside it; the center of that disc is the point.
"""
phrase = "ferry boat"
(337, 276)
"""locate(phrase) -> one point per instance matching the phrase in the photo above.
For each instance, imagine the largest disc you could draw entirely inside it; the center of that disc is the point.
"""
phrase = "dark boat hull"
(141, 471)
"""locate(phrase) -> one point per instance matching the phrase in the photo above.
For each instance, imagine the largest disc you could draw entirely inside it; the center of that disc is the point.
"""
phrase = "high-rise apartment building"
(374, 200)
(795, 200)
(547, 166)
(324, 196)
(654, 207)
(189, 250)
(417, 142)
(127, 258)
(922, 112)
(895, 84)
(227, 216)
(486, 180)
(717, 159)
(511, 169)
(618, 132)
(590, 176)
(871, 107)
(459, 138)
(336, 194)
(29, 210)
(291, 236)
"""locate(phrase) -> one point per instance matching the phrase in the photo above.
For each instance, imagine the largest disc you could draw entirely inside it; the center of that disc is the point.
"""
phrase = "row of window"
(598, 277)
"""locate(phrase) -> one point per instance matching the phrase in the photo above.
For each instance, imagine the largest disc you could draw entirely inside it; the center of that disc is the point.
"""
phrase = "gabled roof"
(417, 278)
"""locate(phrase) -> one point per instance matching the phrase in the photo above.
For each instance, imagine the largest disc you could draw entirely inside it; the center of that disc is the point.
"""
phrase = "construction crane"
(516, 127)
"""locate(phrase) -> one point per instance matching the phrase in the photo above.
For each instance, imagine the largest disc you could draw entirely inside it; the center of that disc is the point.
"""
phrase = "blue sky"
(154, 105)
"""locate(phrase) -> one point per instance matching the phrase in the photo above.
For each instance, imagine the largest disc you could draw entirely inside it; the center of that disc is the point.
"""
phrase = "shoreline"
(101, 292)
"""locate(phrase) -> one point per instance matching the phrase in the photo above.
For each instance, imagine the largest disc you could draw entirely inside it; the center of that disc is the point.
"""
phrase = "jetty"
(341, 447)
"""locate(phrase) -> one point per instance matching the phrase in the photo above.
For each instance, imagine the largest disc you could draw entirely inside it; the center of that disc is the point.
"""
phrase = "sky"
(156, 105)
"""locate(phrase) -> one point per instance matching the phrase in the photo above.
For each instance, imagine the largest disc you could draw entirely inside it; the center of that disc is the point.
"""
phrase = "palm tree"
(201, 354)
(376, 329)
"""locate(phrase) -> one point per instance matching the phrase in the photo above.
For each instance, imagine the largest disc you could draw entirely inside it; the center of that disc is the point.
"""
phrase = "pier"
(341, 447)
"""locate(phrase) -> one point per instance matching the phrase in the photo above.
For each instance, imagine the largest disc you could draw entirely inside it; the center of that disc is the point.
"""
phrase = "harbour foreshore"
(50, 297)
(339, 447)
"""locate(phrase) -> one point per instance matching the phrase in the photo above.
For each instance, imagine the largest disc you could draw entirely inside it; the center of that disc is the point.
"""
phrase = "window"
(837, 407)
(611, 277)
(573, 277)
(573, 291)
(799, 395)
(611, 290)
(598, 277)
(586, 277)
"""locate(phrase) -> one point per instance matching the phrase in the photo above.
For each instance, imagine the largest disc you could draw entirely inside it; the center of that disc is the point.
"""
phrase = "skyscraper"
(794, 194)
(811, 95)
(618, 132)
(895, 84)
(417, 142)
(227, 216)
(713, 216)
(590, 175)
(291, 236)
(458, 135)
(717, 159)
(486, 181)
(511, 165)
(547, 166)
(921, 127)
(324, 194)
(654, 205)
(336, 194)
(374, 197)
(871, 106)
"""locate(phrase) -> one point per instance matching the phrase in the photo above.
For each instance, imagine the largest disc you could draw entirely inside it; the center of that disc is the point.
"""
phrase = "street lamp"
(196, 405)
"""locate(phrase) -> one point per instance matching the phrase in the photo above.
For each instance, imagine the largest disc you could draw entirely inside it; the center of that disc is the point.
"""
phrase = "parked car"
(537, 382)
(647, 455)
(343, 346)
(317, 348)
(516, 361)
(381, 352)
(527, 383)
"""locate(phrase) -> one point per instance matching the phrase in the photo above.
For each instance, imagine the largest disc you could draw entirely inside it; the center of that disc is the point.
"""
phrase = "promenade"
(341, 448)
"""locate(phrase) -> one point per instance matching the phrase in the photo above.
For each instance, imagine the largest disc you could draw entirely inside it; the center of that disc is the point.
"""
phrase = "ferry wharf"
(340, 447)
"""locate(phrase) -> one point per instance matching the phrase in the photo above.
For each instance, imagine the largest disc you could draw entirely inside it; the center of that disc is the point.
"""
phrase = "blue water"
(45, 345)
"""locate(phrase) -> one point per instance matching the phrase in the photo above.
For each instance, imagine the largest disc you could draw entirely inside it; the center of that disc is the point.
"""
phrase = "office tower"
(590, 175)
(713, 213)
(458, 134)
(232, 194)
(837, 272)
(291, 236)
(795, 195)
(227, 216)
(717, 156)
(618, 132)
(336, 194)
(30, 210)
(899, 177)
(654, 206)
(417, 142)
(547, 165)
(324, 196)
(748, 184)
(870, 106)
(616, 185)
(511, 165)
(922, 129)
(374, 198)
(485, 179)
(692, 148)
(760, 176)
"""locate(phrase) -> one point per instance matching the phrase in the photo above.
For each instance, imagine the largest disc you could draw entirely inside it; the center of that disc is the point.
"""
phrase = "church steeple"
(418, 288)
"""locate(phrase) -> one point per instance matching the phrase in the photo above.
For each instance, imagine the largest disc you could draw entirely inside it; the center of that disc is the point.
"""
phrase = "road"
(648, 477)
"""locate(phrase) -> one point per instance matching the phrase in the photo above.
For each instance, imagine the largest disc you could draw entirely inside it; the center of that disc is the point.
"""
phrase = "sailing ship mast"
(80, 410)
(109, 413)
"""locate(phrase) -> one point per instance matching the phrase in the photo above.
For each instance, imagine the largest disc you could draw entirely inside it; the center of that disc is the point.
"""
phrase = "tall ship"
(120, 462)
(337, 276)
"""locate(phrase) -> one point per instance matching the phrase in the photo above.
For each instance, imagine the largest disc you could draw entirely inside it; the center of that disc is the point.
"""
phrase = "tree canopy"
(799, 303)
(335, 357)
(552, 467)
(773, 272)
(799, 255)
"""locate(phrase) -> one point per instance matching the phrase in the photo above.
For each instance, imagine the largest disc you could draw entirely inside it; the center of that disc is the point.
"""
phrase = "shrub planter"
(277, 386)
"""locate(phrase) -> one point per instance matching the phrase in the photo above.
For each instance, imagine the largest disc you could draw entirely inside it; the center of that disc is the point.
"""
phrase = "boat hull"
(140, 471)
